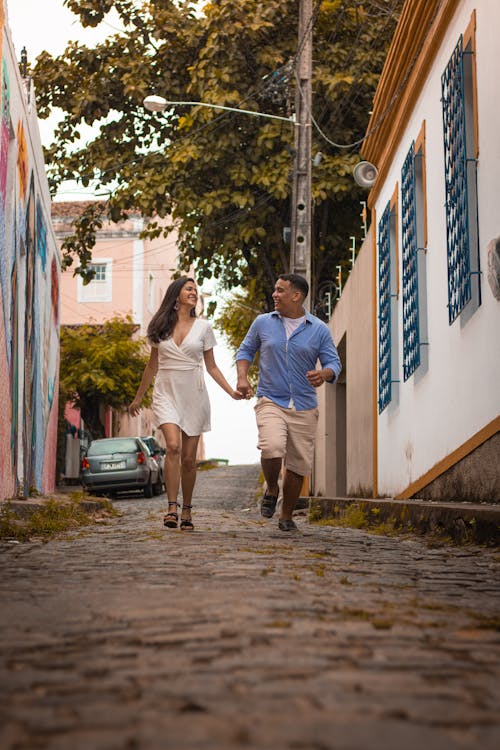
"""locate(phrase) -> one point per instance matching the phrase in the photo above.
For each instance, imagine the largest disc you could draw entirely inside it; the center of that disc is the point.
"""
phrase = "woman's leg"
(188, 471)
(172, 435)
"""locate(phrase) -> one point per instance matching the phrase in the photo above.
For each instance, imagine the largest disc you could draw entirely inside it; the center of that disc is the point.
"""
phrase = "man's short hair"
(298, 282)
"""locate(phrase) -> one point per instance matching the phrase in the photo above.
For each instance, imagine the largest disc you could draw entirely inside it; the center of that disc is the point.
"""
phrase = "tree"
(225, 179)
(101, 366)
(235, 316)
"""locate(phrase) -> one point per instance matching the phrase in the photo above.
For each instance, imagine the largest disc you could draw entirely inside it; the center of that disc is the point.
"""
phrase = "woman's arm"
(219, 378)
(147, 378)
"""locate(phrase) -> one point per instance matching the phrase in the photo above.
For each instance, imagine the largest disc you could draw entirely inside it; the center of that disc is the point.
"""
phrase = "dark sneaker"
(287, 525)
(268, 505)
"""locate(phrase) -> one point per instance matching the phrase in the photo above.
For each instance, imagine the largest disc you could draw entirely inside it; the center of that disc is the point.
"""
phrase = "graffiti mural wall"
(29, 292)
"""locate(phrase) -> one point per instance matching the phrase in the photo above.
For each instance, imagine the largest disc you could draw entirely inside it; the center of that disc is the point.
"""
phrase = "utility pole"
(301, 234)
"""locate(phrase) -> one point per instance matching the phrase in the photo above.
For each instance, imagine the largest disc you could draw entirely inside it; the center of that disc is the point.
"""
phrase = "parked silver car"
(158, 452)
(121, 464)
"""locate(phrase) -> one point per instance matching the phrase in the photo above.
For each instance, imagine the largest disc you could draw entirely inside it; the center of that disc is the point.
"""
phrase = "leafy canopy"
(223, 178)
(101, 366)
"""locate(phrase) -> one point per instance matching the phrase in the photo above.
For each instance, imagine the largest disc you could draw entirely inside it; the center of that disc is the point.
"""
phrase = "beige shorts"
(287, 434)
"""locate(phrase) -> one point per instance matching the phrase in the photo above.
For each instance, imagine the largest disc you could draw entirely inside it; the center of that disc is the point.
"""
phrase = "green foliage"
(236, 315)
(224, 179)
(51, 518)
(101, 366)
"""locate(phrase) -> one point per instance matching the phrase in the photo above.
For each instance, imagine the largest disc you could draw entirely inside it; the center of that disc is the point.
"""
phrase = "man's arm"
(244, 358)
(330, 362)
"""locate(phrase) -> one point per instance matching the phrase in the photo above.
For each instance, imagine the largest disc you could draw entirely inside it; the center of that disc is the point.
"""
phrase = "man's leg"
(272, 444)
(299, 455)
(271, 468)
(292, 485)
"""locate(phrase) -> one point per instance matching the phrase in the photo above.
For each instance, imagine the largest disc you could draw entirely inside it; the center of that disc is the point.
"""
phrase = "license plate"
(113, 465)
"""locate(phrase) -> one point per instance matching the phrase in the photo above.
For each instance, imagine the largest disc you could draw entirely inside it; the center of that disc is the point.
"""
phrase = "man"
(290, 341)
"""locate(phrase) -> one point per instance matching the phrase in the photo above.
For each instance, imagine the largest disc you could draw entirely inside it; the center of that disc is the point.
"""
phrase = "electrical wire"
(389, 106)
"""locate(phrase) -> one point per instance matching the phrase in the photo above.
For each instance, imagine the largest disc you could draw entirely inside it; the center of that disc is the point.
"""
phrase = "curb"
(24, 509)
(462, 522)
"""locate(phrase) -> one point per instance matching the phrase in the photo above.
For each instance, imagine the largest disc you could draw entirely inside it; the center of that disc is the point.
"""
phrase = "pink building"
(132, 275)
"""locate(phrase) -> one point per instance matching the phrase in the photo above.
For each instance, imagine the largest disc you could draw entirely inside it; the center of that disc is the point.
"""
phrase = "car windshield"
(115, 445)
(152, 443)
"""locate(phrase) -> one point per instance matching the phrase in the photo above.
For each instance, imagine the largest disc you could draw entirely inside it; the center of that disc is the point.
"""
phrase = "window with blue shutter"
(384, 309)
(411, 328)
(460, 180)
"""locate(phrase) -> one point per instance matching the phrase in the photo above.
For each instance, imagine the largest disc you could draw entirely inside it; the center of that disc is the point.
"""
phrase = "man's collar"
(308, 316)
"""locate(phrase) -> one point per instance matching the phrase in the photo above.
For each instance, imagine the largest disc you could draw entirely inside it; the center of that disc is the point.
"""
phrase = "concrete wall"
(344, 451)
(475, 477)
(29, 291)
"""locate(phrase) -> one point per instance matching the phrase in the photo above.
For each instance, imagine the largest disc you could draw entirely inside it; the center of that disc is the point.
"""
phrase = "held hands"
(237, 395)
(244, 388)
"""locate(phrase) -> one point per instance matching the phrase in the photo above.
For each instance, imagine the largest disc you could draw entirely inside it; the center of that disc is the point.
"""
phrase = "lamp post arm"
(234, 109)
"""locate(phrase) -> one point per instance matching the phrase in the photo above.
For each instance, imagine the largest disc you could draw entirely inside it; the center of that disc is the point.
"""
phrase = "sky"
(48, 25)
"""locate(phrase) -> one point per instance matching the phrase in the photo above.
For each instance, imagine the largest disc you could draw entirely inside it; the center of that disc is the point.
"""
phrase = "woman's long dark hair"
(163, 321)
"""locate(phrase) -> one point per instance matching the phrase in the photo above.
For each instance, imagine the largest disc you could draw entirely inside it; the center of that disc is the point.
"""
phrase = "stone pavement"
(128, 636)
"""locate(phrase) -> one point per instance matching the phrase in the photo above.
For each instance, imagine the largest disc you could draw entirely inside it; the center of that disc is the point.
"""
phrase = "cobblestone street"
(126, 635)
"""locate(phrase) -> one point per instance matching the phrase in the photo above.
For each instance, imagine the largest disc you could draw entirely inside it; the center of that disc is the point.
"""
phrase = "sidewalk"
(129, 636)
(478, 523)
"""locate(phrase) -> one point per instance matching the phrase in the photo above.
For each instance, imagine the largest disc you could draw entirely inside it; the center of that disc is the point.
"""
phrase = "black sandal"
(187, 524)
(268, 505)
(171, 519)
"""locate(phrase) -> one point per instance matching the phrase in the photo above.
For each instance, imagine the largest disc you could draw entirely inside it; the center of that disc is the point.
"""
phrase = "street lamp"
(159, 104)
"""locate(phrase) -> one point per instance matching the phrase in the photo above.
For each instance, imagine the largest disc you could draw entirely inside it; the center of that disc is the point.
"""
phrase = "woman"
(179, 343)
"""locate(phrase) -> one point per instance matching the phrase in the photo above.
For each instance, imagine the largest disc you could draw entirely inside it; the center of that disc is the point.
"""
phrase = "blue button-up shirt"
(283, 364)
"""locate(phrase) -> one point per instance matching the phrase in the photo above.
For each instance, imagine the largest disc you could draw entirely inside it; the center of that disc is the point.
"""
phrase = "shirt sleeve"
(209, 340)
(328, 355)
(250, 344)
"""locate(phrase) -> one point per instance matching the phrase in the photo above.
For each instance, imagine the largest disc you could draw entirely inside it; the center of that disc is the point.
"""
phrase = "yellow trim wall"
(453, 458)
(412, 445)
(402, 79)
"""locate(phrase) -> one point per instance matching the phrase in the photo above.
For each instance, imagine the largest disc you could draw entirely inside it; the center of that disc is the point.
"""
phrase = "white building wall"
(438, 410)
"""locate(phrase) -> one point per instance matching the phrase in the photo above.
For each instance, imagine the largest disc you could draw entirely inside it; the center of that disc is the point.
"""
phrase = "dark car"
(158, 452)
(120, 464)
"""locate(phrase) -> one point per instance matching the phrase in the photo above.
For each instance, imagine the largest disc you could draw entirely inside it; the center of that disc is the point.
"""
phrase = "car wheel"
(158, 485)
(148, 489)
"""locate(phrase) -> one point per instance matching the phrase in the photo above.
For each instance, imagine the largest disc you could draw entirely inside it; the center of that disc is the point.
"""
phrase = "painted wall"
(443, 405)
(344, 447)
(29, 292)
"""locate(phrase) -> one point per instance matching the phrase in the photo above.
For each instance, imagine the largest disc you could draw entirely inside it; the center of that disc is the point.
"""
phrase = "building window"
(100, 288)
(99, 270)
(414, 241)
(388, 289)
(460, 158)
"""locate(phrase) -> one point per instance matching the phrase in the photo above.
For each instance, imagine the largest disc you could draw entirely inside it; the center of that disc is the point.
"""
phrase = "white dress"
(180, 395)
